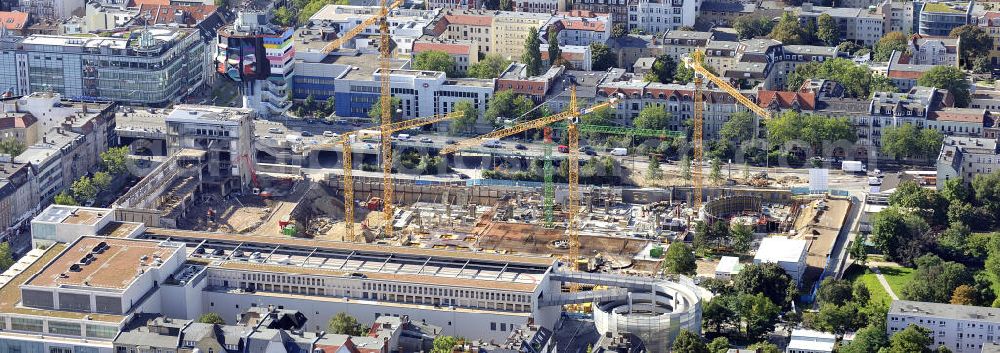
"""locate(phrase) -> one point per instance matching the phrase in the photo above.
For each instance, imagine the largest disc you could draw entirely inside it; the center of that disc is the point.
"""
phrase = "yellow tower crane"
(570, 116)
(385, 101)
(694, 62)
(345, 141)
(353, 32)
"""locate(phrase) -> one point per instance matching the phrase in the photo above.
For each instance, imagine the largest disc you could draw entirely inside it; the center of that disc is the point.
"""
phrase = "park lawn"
(897, 277)
(858, 273)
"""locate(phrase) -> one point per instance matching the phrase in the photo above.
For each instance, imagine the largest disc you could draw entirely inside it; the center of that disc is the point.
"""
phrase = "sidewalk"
(885, 284)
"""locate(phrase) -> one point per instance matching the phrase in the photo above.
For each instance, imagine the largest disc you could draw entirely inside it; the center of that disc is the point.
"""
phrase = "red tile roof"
(17, 121)
(906, 75)
(959, 116)
(806, 100)
(450, 48)
(150, 2)
(581, 25)
(14, 20)
(469, 20)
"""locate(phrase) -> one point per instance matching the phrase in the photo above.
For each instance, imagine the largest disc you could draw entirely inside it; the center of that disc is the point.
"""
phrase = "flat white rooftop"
(779, 249)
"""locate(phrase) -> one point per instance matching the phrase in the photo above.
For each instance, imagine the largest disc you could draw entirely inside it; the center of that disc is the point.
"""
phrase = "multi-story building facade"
(658, 16)
(258, 56)
(465, 52)
(52, 9)
(17, 196)
(898, 16)
(960, 328)
(631, 47)
(789, 57)
(678, 44)
(152, 66)
(926, 50)
(677, 100)
(509, 30)
(965, 157)
(226, 137)
(991, 23)
(721, 55)
(405, 25)
(939, 18)
(421, 93)
(618, 9)
(578, 28)
(465, 25)
(541, 6)
(860, 25)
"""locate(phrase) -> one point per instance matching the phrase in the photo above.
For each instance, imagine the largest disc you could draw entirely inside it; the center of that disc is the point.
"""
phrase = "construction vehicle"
(694, 62)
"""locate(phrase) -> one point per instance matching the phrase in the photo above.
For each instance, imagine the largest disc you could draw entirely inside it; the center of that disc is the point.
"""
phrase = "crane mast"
(386, 122)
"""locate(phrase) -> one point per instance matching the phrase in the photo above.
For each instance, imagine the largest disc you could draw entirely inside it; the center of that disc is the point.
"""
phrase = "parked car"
(563, 148)
(274, 130)
(307, 134)
(520, 147)
(329, 133)
(426, 140)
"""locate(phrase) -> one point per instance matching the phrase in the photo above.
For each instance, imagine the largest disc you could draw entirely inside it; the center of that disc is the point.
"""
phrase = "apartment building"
(630, 48)
(898, 16)
(927, 50)
(902, 70)
(578, 28)
(619, 9)
(679, 44)
(17, 196)
(226, 137)
(960, 328)
(15, 22)
(724, 13)
(939, 18)
(509, 31)
(965, 157)
(991, 23)
(152, 66)
(541, 6)
(465, 25)
(860, 25)
(678, 100)
(464, 52)
(659, 16)
(52, 9)
(405, 25)
(721, 55)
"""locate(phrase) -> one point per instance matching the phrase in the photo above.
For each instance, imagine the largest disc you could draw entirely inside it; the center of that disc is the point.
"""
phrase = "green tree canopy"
(64, 198)
(490, 66)
(811, 129)
(115, 160)
(435, 60)
(950, 78)
(857, 79)
(835, 291)
(468, 119)
(764, 347)
(935, 280)
(827, 30)
(688, 342)
(975, 44)
(84, 189)
(900, 236)
(664, 69)
(6, 256)
(554, 51)
(908, 141)
(679, 259)
(375, 113)
(768, 279)
(738, 128)
(344, 324)
(507, 105)
(653, 117)
(718, 345)
(912, 339)
(892, 41)
(444, 344)
(11, 146)
(532, 57)
(752, 26)
(789, 31)
(601, 57)
(211, 318)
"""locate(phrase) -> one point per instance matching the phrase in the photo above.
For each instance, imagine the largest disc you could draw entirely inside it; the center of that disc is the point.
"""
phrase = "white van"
(403, 137)
(619, 151)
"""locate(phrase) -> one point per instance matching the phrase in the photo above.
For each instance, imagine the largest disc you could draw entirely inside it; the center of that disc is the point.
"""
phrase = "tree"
(84, 189)
(860, 293)
(839, 318)
(375, 113)
(435, 60)
(900, 236)
(757, 313)
(849, 47)
(11, 146)
(664, 69)
(975, 44)
(211, 318)
(344, 324)
(812, 129)
(742, 236)
(685, 167)
(827, 30)
(954, 190)
(738, 128)
(618, 30)
(715, 174)
(892, 41)
(935, 280)
(687, 342)
(601, 57)
(282, 16)
(719, 312)
(986, 188)
(444, 344)
(764, 347)
(913, 339)
(908, 141)
(507, 105)
(835, 291)
(789, 31)
(752, 26)
(718, 345)
(679, 259)
(115, 160)
(64, 198)
(102, 180)
(768, 279)
(311, 9)
(554, 51)
(683, 74)
(6, 257)
(653, 117)
(490, 66)
(981, 65)
(950, 78)
(532, 57)
(964, 295)
(653, 171)
(467, 120)
(857, 79)
(869, 339)
(909, 195)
